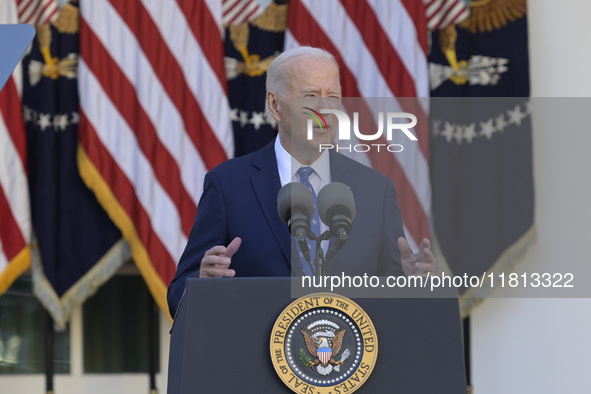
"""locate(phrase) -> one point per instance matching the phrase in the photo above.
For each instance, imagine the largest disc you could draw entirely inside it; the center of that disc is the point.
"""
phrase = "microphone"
(295, 205)
(336, 208)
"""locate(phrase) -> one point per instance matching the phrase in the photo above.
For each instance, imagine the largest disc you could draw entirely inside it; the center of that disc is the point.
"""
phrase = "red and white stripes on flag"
(235, 12)
(324, 355)
(15, 217)
(36, 12)
(154, 119)
(15, 213)
(444, 13)
(381, 47)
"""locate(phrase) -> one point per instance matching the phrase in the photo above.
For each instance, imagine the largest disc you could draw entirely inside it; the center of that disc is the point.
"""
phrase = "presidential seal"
(323, 344)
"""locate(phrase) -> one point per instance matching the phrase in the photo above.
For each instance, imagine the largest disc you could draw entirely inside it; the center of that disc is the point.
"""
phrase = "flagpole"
(152, 341)
(49, 339)
(467, 360)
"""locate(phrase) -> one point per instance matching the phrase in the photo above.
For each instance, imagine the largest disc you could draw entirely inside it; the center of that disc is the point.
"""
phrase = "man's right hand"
(216, 260)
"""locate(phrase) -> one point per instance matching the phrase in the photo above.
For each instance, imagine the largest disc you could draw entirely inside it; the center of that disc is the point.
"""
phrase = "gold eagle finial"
(489, 15)
(485, 16)
(68, 21)
(273, 19)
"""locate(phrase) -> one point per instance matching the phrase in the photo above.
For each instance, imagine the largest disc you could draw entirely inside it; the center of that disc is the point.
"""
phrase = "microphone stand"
(341, 234)
(319, 260)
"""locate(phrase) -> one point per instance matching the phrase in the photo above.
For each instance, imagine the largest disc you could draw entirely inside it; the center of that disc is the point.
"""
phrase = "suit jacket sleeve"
(390, 263)
(209, 229)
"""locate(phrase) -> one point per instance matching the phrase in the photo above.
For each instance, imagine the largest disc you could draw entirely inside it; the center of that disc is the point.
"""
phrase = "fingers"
(422, 263)
(217, 260)
(426, 261)
(216, 273)
(227, 251)
(214, 266)
(427, 268)
(425, 243)
(216, 250)
(233, 247)
(427, 254)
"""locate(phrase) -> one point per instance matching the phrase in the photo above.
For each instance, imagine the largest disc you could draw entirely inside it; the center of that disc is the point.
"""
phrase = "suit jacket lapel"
(266, 185)
(338, 168)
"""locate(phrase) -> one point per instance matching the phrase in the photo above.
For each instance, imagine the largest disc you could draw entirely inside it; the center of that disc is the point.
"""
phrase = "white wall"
(544, 345)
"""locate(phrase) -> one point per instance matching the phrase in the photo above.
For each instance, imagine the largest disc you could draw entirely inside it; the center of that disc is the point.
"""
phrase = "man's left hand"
(421, 263)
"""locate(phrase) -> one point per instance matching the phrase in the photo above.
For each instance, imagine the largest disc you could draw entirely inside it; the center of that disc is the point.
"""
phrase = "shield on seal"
(324, 354)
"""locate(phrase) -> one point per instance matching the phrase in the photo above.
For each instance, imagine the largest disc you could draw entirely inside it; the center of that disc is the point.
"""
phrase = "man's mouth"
(318, 129)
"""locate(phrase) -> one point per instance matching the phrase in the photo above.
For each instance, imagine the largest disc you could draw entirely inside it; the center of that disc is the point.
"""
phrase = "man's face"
(312, 83)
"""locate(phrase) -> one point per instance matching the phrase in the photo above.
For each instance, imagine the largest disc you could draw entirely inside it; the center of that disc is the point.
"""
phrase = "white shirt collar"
(288, 166)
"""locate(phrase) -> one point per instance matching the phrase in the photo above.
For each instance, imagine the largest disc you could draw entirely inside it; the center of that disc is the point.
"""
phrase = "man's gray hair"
(278, 71)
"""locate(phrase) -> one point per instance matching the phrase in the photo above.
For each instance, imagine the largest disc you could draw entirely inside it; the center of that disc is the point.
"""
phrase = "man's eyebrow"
(309, 90)
(314, 90)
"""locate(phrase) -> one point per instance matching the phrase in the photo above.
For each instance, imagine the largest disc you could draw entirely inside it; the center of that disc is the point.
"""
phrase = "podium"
(221, 335)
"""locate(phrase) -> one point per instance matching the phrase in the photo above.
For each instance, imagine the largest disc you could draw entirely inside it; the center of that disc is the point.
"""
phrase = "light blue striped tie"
(304, 173)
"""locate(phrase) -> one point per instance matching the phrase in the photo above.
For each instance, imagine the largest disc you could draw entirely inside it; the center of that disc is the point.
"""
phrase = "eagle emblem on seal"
(323, 340)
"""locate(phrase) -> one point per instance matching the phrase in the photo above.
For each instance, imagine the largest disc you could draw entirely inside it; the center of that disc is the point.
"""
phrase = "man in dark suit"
(238, 207)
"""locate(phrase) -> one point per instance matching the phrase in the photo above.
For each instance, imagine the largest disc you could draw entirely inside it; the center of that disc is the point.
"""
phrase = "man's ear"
(273, 102)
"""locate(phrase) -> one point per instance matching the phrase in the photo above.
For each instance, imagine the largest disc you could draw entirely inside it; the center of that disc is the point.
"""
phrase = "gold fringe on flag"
(18, 265)
(60, 309)
(504, 264)
(95, 182)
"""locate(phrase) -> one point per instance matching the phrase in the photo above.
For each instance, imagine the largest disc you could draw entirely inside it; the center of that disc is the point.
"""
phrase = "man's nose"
(328, 102)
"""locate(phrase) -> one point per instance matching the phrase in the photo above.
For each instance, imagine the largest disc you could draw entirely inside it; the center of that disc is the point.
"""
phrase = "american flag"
(154, 119)
(36, 12)
(15, 215)
(235, 12)
(381, 47)
(444, 13)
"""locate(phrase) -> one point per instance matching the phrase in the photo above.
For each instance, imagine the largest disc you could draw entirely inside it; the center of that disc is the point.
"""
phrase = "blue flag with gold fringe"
(249, 49)
(481, 147)
(77, 246)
